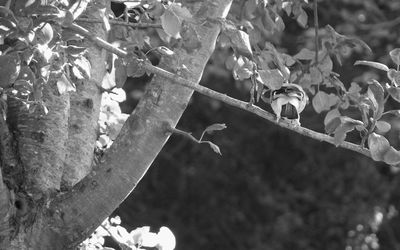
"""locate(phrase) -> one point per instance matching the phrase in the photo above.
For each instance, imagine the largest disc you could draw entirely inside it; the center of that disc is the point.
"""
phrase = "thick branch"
(143, 135)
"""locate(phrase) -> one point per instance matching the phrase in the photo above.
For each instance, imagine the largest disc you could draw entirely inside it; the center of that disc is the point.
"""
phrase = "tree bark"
(141, 138)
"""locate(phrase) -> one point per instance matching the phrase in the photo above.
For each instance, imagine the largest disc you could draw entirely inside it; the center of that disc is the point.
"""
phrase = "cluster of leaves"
(268, 69)
(35, 49)
(135, 240)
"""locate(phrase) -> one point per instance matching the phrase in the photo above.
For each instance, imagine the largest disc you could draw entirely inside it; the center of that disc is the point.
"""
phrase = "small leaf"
(394, 93)
(376, 94)
(332, 125)
(171, 23)
(240, 41)
(64, 85)
(182, 13)
(83, 65)
(395, 55)
(133, 69)
(378, 145)
(214, 147)
(341, 133)
(392, 156)
(271, 78)
(305, 54)
(118, 95)
(302, 19)
(394, 76)
(322, 101)
(330, 115)
(382, 127)
(215, 127)
(376, 65)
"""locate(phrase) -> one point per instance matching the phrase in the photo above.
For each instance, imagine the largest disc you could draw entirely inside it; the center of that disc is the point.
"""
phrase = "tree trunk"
(42, 218)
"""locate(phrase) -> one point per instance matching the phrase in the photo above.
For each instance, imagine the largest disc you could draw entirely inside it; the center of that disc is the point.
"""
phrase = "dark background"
(272, 188)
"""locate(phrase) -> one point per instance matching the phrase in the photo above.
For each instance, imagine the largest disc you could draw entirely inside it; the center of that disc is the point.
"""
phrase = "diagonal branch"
(221, 97)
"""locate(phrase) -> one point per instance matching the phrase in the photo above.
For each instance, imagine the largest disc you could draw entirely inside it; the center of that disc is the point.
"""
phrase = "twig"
(387, 24)
(316, 28)
(218, 96)
(122, 23)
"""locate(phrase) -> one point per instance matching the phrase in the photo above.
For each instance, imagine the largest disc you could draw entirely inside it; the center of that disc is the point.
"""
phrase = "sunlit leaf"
(382, 127)
(331, 126)
(330, 115)
(323, 101)
(271, 78)
(215, 127)
(394, 76)
(378, 145)
(171, 23)
(376, 95)
(392, 156)
(64, 85)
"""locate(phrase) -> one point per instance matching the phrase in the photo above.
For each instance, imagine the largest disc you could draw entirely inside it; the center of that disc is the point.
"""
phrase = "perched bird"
(288, 102)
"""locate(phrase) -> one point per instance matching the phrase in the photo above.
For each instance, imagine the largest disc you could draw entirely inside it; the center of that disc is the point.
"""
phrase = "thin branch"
(387, 24)
(252, 109)
(316, 28)
(122, 23)
(218, 96)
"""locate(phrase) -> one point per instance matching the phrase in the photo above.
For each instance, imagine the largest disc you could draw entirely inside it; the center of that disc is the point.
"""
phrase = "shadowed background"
(272, 188)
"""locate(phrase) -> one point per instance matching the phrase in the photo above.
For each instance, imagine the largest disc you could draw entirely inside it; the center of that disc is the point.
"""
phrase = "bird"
(288, 102)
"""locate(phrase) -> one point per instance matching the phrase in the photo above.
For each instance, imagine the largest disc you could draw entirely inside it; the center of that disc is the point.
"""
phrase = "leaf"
(392, 156)
(305, 54)
(215, 127)
(332, 125)
(118, 95)
(64, 85)
(395, 55)
(171, 23)
(331, 115)
(376, 65)
(322, 101)
(302, 19)
(182, 13)
(120, 73)
(214, 147)
(341, 132)
(240, 41)
(382, 127)
(376, 94)
(133, 69)
(394, 76)
(394, 93)
(271, 78)
(83, 65)
(243, 68)
(378, 145)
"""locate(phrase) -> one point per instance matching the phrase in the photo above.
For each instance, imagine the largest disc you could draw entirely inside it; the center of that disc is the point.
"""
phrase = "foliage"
(136, 239)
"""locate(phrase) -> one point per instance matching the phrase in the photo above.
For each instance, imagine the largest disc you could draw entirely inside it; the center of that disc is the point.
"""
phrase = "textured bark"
(140, 140)
(41, 140)
(85, 108)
